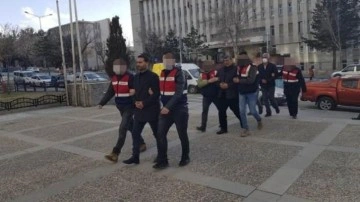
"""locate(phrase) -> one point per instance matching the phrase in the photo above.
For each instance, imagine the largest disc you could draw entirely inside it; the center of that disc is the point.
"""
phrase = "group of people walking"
(162, 101)
(138, 100)
(237, 86)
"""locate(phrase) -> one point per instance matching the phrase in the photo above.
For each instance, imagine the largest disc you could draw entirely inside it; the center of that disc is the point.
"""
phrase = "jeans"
(136, 134)
(269, 98)
(223, 105)
(206, 102)
(248, 99)
(292, 99)
(180, 117)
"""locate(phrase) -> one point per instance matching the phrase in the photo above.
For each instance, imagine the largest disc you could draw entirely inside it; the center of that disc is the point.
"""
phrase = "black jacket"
(249, 84)
(118, 100)
(143, 81)
(227, 74)
(269, 74)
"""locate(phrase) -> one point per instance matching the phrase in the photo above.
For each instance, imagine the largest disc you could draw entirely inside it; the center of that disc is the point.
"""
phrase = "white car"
(192, 73)
(353, 69)
(40, 80)
(34, 69)
(23, 76)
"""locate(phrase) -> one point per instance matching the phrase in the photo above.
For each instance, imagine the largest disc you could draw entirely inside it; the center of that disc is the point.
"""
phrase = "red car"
(335, 91)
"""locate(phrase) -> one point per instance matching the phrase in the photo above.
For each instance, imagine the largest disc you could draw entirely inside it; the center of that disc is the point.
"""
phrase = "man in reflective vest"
(293, 82)
(121, 87)
(173, 92)
(209, 90)
(248, 91)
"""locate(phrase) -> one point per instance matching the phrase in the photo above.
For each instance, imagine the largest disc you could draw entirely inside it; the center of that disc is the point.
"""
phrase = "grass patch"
(14, 95)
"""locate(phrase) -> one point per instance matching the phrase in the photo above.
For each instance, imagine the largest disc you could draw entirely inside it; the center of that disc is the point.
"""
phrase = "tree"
(8, 36)
(230, 21)
(335, 26)
(116, 45)
(100, 49)
(154, 46)
(195, 43)
(172, 44)
(24, 46)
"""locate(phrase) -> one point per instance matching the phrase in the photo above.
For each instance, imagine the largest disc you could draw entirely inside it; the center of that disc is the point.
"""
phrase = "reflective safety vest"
(168, 84)
(290, 76)
(243, 72)
(208, 75)
(121, 88)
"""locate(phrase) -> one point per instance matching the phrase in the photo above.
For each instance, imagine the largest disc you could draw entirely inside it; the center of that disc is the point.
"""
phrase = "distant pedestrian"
(228, 94)
(311, 72)
(147, 105)
(293, 83)
(209, 89)
(122, 88)
(268, 74)
(248, 91)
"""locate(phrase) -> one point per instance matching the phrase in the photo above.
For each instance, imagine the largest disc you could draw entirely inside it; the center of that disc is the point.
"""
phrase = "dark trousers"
(223, 105)
(136, 134)
(126, 124)
(206, 102)
(292, 99)
(268, 95)
(179, 116)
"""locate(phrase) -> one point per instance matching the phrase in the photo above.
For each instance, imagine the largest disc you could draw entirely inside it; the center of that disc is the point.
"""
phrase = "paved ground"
(57, 155)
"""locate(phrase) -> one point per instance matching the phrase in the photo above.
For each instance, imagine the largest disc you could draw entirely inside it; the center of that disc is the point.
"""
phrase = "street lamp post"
(42, 16)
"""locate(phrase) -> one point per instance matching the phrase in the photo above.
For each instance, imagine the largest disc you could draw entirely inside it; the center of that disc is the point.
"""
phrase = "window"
(299, 6)
(281, 29)
(254, 14)
(349, 69)
(262, 13)
(289, 8)
(272, 11)
(350, 83)
(280, 10)
(301, 48)
(272, 30)
(300, 27)
(290, 27)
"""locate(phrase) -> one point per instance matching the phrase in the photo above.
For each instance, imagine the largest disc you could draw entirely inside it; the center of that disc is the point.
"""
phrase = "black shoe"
(132, 160)
(200, 128)
(161, 165)
(267, 115)
(249, 114)
(260, 111)
(277, 110)
(155, 160)
(294, 117)
(184, 162)
(221, 131)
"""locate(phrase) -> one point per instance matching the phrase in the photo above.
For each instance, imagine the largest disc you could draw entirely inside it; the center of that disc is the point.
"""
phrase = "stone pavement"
(57, 155)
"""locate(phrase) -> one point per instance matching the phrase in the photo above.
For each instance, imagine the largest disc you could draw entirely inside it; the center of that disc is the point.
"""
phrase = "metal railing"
(32, 102)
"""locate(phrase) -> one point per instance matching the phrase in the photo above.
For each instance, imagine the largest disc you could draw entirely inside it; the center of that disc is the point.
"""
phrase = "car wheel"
(192, 89)
(337, 75)
(326, 103)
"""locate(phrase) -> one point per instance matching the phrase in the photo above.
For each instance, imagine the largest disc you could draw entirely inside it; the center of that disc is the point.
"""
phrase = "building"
(93, 36)
(277, 26)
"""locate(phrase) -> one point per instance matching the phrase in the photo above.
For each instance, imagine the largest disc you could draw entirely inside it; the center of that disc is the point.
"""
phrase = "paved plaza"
(57, 154)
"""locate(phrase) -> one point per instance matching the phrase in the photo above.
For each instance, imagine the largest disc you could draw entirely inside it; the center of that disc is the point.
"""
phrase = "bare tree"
(230, 21)
(100, 49)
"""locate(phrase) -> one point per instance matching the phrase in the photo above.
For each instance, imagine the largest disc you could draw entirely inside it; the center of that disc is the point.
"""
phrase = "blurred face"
(265, 58)
(141, 65)
(168, 61)
(227, 62)
(119, 69)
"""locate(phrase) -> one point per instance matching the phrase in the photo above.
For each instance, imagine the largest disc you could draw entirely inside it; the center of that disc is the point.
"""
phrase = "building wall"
(282, 22)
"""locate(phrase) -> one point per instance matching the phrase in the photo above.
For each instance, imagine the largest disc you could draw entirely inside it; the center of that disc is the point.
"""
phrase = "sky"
(12, 12)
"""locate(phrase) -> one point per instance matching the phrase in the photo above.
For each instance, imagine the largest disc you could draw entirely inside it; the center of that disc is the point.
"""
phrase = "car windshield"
(92, 76)
(44, 77)
(28, 74)
(195, 72)
(279, 83)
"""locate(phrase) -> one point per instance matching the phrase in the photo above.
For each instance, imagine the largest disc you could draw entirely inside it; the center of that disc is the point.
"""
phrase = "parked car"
(353, 69)
(23, 76)
(33, 69)
(41, 80)
(192, 73)
(332, 92)
(88, 77)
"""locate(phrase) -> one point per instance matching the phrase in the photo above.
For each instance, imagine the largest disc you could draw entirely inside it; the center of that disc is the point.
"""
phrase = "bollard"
(44, 84)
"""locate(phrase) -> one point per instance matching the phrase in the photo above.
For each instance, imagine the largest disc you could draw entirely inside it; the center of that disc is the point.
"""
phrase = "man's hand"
(100, 106)
(132, 92)
(150, 91)
(139, 104)
(224, 86)
(236, 80)
(273, 74)
(264, 81)
(213, 80)
(164, 111)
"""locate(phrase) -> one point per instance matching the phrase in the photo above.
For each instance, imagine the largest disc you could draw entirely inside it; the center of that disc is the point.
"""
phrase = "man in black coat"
(147, 105)
(228, 94)
(267, 75)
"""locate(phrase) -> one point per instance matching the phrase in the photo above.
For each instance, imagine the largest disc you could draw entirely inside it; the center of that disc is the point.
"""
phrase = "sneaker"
(200, 128)
(142, 147)
(161, 165)
(260, 125)
(112, 157)
(245, 133)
